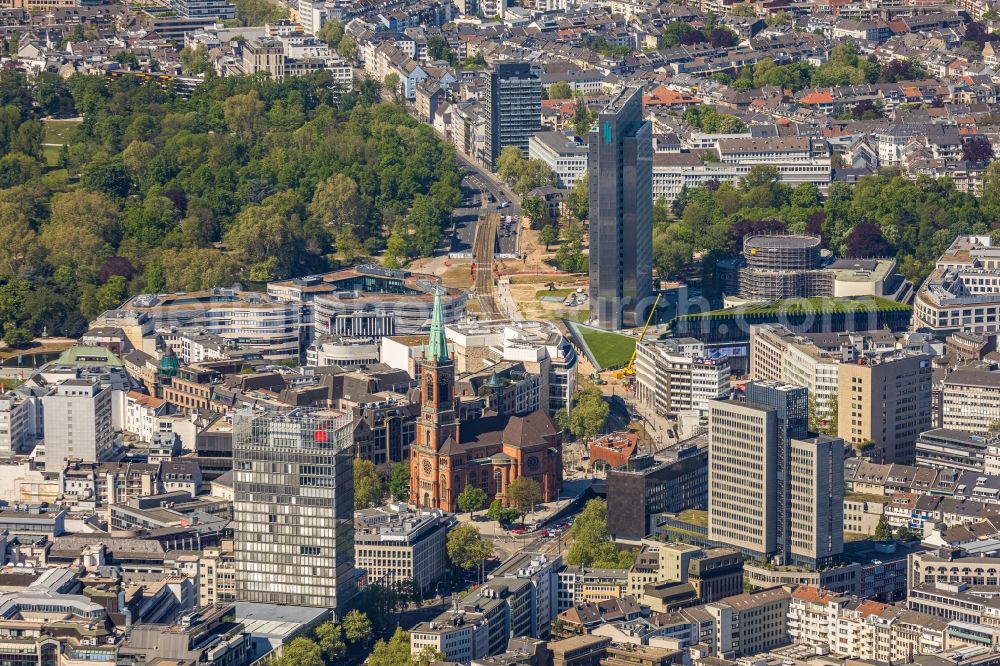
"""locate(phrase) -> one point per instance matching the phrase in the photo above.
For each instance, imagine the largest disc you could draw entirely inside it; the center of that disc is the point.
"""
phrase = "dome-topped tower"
(169, 364)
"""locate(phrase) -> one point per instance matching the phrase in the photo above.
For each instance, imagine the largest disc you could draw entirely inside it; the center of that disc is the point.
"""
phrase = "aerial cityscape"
(496, 333)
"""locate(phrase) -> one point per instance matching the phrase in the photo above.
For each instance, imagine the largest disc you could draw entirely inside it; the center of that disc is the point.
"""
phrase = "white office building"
(673, 376)
(78, 423)
(563, 152)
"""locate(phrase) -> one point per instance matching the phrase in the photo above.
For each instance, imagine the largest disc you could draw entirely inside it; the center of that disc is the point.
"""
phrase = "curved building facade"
(778, 267)
(369, 301)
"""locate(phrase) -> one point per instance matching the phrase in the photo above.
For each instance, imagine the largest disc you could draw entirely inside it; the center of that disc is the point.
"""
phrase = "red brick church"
(488, 452)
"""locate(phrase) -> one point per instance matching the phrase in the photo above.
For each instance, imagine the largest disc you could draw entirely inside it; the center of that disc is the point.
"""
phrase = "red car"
(518, 530)
(545, 533)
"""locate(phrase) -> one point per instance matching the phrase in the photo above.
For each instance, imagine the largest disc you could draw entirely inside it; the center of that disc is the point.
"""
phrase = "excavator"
(629, 369)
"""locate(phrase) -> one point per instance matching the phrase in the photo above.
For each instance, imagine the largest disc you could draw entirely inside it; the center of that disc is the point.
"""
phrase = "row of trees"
(373, 488)
(248, 179)
(881, 215)
(327, 643)
(589, 415)
(523, 175)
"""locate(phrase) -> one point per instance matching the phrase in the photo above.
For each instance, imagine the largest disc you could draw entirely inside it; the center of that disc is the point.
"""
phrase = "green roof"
(80, 355)
(796, 306)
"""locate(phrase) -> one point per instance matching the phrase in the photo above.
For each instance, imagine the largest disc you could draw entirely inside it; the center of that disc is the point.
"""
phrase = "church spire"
(437, 348)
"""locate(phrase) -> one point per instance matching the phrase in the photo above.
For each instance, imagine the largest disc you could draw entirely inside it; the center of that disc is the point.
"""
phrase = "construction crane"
(630, 368)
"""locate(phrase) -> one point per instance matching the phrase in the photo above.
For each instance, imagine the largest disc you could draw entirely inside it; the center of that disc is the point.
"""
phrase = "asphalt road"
(466, 217)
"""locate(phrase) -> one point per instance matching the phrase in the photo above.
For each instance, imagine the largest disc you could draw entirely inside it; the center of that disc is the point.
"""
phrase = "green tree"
(331, 32)
(569, 256)
(196, 60)
(357, 626)
(501, 514)
(548, 235)
(338, 203)
(560, 90)
(301, 652)
(523, 493)
(369, 490)
(18, 168)
(589, 415)
(393, 86)
(348, 48)
(578, 199)
(536, 210)
(467, 548)
(883, 531)
(583, 118)
(111, 294)
(591, 541)
(330, 638)
(275, 239)
(510, 164)
(437, 49)
(17, 337)
(258, 12)
(399, 481)
(471, 499)
(673, 33)
(534, 173)
(396, 652)
(244, 116)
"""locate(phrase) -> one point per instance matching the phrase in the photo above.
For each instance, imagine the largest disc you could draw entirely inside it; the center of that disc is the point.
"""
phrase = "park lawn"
(611, 350)
(51, 154)
(561, 293)
(57, 131)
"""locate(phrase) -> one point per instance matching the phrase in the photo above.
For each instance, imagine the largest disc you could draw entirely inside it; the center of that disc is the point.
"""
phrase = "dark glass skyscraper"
(514, 108)
(620, 164)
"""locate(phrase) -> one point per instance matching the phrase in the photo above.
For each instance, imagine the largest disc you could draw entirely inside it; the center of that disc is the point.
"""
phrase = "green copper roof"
(494, 382)
(78, 355)
(437, 347)
(169, 365)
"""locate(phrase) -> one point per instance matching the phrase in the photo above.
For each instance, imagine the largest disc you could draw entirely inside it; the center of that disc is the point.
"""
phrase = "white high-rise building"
(16, 423)
(78, 423)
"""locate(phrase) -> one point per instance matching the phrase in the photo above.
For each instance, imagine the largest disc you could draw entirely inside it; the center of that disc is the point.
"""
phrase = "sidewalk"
(571, 491)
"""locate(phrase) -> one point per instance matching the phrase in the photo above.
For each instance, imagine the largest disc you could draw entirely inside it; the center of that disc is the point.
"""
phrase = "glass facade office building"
(294, 508)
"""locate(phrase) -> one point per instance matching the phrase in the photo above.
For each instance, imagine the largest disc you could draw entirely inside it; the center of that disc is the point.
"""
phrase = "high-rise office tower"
(885, 400)
(742, 467)
(620, 164)
(513, 108)
(775, 492)
(77, 423)
(293, 512)
(791, 404)
(816, 498)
